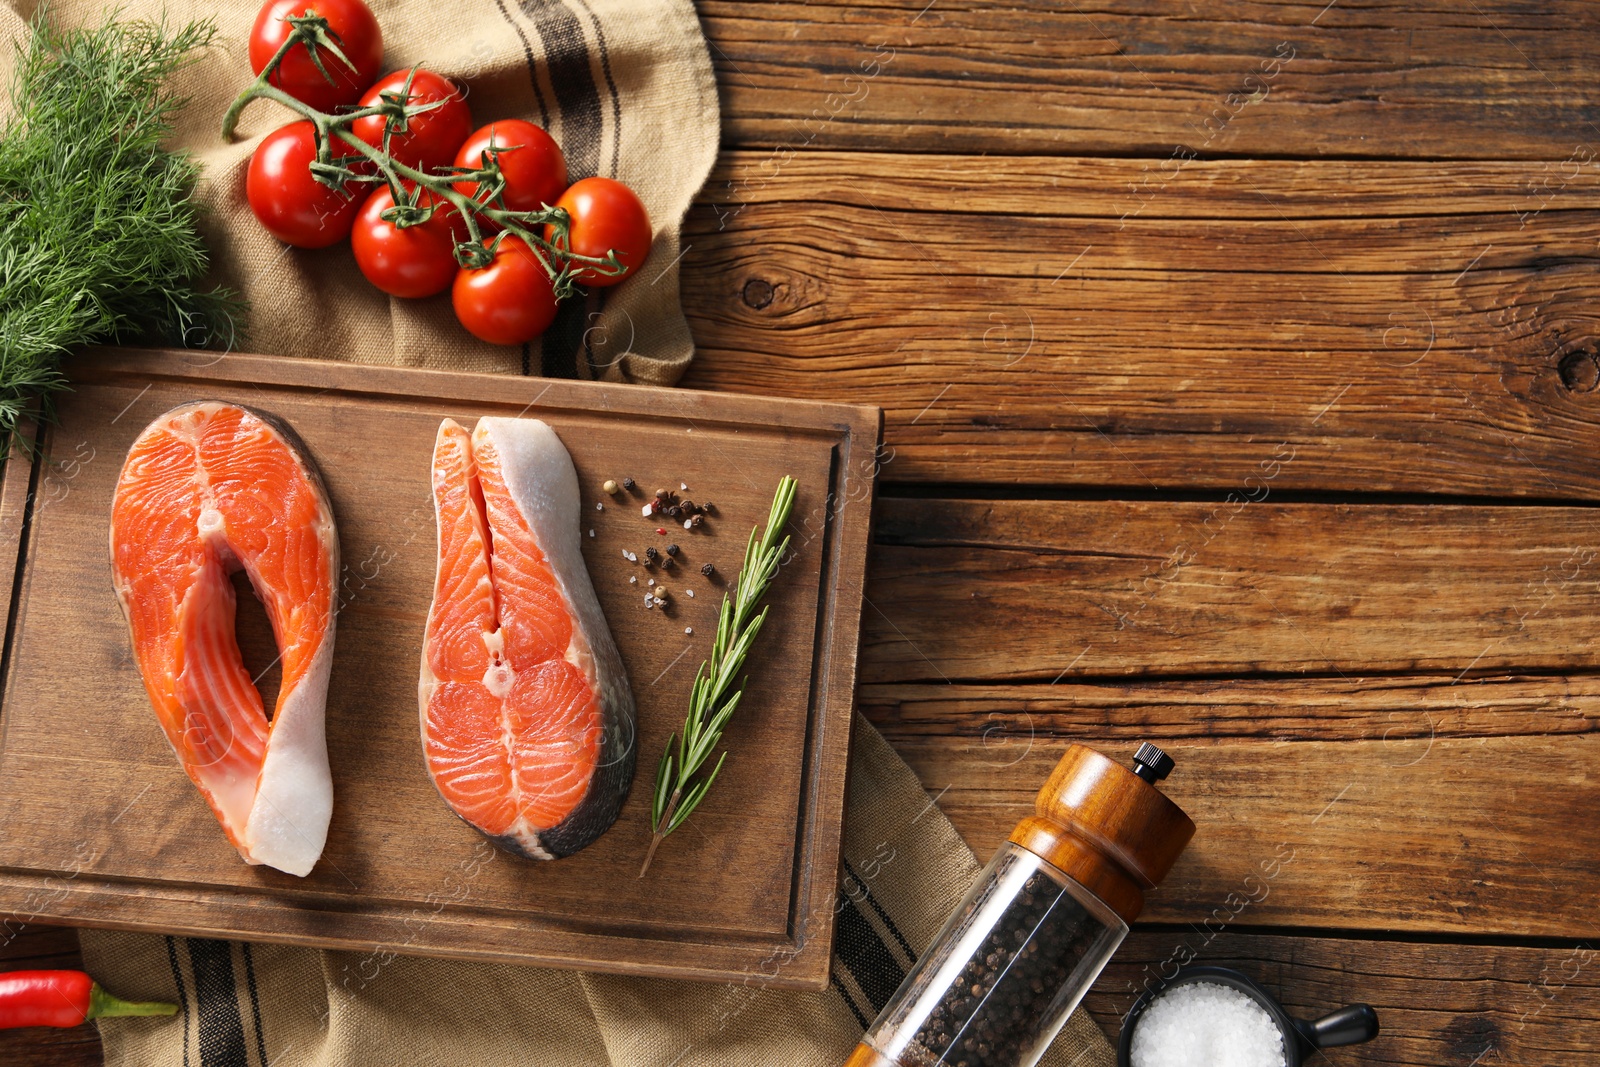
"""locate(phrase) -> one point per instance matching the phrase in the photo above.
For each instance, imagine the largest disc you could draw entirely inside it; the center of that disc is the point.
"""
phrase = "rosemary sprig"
(680, 785)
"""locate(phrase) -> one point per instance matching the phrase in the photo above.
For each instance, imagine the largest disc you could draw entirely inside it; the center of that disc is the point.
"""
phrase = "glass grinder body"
(1042, 920)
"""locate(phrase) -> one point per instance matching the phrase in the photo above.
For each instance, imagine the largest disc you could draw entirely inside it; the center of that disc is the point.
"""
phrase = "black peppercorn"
(672, 550)
(708, 570)
(627, 483)
(995, 1003)
(650, 554)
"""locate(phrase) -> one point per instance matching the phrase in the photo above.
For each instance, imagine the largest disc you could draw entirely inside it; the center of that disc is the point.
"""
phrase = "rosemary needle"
(680, 783)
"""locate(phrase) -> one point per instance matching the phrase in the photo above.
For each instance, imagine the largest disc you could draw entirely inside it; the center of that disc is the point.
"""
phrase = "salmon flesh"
(527, 718)
(209, 489)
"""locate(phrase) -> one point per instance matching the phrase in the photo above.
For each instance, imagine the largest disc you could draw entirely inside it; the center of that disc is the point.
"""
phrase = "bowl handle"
(1347, 1026)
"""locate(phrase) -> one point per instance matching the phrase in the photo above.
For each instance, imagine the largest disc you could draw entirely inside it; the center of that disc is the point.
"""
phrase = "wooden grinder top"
(1107, 827)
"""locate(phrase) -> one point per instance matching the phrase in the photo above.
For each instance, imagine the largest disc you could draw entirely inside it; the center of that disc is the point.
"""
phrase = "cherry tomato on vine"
(359, 38)
(605, 215)
(432, 137)
(509, 301)
(535, 171)
(413, 261)
(293, 206)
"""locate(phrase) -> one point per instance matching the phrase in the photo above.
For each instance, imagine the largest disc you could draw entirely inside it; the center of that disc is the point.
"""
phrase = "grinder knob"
(1151, 764)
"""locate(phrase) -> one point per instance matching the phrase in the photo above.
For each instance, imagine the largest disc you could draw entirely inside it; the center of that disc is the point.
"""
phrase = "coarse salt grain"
(1202, 1024)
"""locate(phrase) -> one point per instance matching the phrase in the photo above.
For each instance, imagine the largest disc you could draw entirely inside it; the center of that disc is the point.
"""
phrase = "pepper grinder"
(1040, 923)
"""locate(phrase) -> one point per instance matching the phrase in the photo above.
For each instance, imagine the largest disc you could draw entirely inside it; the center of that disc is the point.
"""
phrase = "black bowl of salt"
(1217, 1017)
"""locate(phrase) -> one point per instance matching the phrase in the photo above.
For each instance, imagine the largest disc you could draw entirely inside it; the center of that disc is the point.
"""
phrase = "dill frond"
(98, 222)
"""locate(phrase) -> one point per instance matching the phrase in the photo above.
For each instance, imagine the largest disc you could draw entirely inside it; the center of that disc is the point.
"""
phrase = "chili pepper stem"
(103, 1005)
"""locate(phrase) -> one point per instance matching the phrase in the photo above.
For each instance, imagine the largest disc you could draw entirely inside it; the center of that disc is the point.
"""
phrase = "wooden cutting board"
(100, 827)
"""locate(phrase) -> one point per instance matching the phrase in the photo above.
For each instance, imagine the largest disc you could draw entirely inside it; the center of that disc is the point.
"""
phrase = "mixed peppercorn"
(663, 503)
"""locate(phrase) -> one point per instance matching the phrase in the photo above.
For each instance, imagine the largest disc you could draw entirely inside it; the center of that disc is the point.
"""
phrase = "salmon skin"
(209, 489)
(527, 718)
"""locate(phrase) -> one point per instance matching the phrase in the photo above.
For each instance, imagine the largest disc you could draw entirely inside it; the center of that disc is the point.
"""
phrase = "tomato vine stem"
(407, 183)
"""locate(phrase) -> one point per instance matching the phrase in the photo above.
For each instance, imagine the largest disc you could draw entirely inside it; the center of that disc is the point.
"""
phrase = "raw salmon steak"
(527, 719)
(209, 489)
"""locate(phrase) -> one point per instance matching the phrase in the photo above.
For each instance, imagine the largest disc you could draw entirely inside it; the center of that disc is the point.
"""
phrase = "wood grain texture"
(1408, 305)
(1493, 79)
(1443, 787)
(1439, 1005)
(130, 845)
(1428, 835)
(975, 590)
(26, 947)
(1398, 709)
(1402, 327)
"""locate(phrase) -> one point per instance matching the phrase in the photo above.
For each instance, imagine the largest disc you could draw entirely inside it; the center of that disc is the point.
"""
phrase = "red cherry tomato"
(606, 215)
(293, 206)
(413, 261)
(535, 170)
(509, 301)
(432, 137)
(354, 26)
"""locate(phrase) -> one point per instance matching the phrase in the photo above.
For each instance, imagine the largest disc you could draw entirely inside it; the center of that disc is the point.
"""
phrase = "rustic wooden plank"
(974, 590)
(1401, 710)
(1086, 188)
(1439, 1005)
(1431, 765)
(1471, 836)
(1494, 79)
(1182, 334)
(25, 947)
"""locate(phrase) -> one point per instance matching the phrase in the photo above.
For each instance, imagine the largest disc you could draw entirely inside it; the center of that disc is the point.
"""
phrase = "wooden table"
(1239, 366)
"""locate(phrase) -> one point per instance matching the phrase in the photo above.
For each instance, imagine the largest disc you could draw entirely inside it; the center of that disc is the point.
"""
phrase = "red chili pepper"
(62, 998)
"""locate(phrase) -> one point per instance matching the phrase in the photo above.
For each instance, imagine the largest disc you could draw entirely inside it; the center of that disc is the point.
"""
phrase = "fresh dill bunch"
(98, 223)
